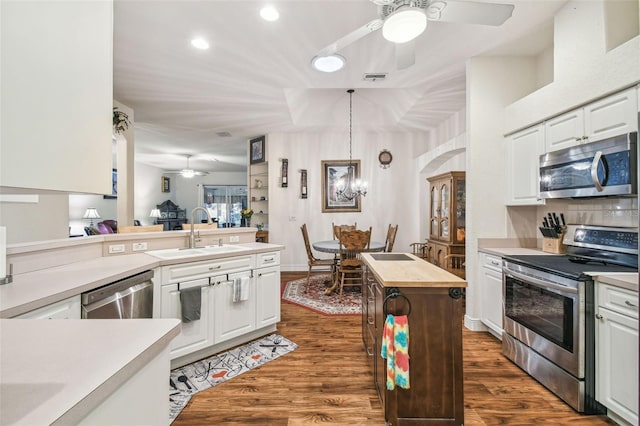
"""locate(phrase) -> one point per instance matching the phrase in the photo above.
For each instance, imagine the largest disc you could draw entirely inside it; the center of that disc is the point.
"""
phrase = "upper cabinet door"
(57, 95)
(612, 116)
(564, 131)
(523, 150)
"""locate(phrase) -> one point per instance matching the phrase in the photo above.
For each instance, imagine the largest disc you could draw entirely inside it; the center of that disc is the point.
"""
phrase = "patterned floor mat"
(193, 378)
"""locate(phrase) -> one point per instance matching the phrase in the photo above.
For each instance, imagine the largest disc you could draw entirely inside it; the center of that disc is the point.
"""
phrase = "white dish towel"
(241, 289)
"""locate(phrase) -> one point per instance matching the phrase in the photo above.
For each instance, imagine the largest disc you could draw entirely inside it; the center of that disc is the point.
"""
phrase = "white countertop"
(512, 251)
(36, 289)
(60, 370)
(619, 279)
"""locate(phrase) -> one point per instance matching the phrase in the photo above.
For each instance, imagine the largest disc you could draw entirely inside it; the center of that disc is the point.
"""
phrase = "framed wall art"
(256, 150)
(165, 184)
(334, 171)
(114, 186)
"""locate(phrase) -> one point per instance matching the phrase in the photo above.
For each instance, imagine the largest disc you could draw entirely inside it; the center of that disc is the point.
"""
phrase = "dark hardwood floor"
(327, 381)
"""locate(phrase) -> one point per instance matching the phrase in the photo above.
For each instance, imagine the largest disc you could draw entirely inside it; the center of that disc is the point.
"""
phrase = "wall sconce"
(303, 183)
(285, 165)
(155, 213)
(91, 213)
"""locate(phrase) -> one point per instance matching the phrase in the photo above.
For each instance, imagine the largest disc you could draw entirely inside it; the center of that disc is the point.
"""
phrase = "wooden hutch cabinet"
(447, 213)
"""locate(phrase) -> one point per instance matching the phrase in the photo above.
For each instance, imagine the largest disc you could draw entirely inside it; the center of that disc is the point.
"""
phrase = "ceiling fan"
(188, 172)
(404, 20)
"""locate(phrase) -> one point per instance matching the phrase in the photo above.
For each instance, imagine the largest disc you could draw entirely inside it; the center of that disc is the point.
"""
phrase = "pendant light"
(349, 188)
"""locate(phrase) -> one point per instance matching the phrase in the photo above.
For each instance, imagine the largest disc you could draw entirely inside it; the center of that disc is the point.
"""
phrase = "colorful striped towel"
(395, 349)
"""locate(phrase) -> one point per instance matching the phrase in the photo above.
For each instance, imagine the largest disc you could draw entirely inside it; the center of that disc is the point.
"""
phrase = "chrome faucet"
(192, 237)
(219, 242)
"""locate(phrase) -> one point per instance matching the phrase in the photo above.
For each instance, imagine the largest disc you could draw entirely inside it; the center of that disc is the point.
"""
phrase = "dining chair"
(455, 263)
(391, 238)
(352, 243)
(312, 261)
(337, 228)
(419, 250)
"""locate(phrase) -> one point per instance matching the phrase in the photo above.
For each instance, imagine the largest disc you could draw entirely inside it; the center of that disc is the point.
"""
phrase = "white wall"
(492, 84)
(45, 220)
(393, 197)
(148, 192)
(584, 69)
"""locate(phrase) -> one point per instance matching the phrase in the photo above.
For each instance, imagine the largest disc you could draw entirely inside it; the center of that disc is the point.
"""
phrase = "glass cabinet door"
(460, 210)
(445, 201)
(434, 210)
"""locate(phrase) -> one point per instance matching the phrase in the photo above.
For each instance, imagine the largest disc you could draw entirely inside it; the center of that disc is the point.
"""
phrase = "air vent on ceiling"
(224, 134)
(374, 76)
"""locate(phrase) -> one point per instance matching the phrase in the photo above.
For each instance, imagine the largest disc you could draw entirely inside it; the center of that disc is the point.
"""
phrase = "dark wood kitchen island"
(432, 298)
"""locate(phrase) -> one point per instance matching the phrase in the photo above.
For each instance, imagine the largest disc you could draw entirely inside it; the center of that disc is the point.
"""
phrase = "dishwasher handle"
(109, 290)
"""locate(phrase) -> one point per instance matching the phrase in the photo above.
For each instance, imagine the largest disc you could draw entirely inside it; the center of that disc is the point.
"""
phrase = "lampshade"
(404, 24)
(91, 213)
(155, 213)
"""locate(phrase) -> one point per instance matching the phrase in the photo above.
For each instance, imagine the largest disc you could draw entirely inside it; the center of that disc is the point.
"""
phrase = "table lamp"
(91, 213)
(155, 213)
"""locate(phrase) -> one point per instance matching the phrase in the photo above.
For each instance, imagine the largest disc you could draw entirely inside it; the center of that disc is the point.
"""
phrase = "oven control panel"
(622, 239)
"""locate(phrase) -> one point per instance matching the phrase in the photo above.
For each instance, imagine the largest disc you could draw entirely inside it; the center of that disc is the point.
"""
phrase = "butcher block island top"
(406, 270)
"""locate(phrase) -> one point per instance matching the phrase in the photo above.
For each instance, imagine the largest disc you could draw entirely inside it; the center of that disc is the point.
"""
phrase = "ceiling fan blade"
(469, 12)
(352, 37)
(405, 54)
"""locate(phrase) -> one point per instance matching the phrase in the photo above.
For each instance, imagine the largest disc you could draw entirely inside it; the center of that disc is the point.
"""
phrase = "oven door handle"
(540, 283)
(594, 171)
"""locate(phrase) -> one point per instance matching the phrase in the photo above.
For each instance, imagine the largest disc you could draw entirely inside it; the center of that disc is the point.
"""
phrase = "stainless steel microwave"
(606, 167)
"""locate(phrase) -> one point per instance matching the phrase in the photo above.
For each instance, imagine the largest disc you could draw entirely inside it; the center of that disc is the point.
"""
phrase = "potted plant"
(120, 121)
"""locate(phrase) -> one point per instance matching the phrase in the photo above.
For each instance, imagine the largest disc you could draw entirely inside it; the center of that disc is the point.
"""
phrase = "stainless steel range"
(549, 323)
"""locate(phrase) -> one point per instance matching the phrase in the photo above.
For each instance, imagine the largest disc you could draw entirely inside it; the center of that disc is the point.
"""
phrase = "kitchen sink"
(179, 253)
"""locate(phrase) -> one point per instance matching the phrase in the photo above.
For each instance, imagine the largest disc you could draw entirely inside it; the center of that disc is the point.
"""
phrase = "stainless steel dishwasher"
(130, 297)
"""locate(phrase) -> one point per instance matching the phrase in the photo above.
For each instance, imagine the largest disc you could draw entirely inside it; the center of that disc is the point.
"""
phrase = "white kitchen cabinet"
(57, 95)
(491, 293)
(195, 335)
(65, 309)
(232, 319)
(607, 117)
(523, 162)
(617, 352)
(267, 295)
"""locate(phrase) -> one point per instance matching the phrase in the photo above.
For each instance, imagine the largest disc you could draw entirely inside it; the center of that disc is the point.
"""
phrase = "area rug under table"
(193, 378)
(313, 298)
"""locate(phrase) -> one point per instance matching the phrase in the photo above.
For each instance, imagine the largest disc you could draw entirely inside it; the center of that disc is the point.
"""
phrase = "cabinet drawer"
(267, 259)
(492, 262)
(176, 273)
(618, 299)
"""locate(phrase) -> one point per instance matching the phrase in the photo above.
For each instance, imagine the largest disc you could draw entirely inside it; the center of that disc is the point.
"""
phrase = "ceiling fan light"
(330, 63)
(188, 173)
(404, 24)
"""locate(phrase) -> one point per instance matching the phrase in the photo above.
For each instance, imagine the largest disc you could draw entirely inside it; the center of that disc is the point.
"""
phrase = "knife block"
(554, 245)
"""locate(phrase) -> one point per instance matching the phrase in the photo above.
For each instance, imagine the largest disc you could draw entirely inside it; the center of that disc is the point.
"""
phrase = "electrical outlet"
(139, 246)
(116, 248)
(234, 239)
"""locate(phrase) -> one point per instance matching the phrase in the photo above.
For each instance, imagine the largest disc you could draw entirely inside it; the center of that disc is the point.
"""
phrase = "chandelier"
(349, 187)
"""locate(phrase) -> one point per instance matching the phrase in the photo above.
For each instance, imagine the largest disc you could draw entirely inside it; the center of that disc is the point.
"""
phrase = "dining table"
(333, 246)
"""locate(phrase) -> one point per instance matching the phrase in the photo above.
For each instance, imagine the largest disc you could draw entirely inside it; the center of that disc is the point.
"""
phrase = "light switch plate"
(116, 248)
(234, 239)
(139, 246)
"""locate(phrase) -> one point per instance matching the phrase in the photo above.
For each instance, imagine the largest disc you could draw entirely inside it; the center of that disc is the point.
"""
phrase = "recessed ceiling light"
(200, 43)
(331, 63)
(269, 13)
